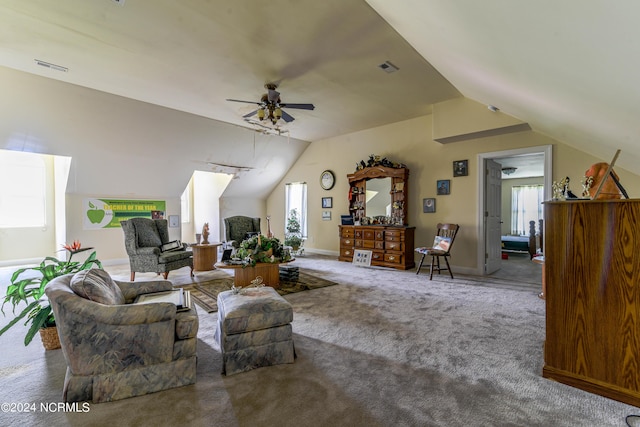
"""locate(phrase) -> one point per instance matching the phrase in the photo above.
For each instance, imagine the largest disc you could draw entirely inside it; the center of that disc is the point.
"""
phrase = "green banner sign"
(107, 213)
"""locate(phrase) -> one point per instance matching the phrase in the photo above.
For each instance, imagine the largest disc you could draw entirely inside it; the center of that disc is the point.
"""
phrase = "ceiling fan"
(270, 106)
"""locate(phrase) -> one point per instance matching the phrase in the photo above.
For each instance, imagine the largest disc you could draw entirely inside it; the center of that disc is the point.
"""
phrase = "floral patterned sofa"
(115, 349)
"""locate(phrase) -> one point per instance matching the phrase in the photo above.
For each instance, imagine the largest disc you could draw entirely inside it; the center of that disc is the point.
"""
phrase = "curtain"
(296, 198)
(526, 205)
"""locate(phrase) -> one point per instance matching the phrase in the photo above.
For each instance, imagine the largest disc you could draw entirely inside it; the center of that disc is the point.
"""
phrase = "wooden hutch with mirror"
(378, 203)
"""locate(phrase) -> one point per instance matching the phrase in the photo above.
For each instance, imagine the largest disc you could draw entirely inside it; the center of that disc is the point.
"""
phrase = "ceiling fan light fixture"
(261, 114)
(509, 170)
(277, 113)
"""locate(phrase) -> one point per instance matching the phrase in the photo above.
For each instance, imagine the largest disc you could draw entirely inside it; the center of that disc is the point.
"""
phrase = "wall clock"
(327, 180)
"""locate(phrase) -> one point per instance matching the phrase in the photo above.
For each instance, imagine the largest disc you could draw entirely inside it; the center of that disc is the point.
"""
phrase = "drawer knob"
(347, 241)
(392, 258)
(348, 252)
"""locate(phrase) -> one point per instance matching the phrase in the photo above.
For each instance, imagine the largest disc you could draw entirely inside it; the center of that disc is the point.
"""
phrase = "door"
(492, 226)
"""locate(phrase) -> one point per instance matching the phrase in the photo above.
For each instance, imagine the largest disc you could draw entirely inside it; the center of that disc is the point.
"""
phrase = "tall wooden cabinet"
(390, 246)
(592, 269)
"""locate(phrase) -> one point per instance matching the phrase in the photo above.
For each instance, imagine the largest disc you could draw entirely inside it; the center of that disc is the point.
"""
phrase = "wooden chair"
(442, 244)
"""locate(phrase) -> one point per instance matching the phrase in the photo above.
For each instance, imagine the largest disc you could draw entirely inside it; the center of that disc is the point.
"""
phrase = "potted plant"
(293, 235)
(30, 290)
(261, 249)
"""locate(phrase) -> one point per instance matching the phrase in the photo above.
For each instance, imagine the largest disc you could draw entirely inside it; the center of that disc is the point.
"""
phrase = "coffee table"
(243, 275)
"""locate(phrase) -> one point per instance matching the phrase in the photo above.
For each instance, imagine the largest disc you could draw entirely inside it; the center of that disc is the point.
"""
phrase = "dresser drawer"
(346, 252)
(394, 235)
(347, 232)
(368, 244)
(379, 244)
(368, 234)
(377, 256)
(357, 243)
(358, 234)
(393, 246)
(349, 241)
(379, 235)
(393, 258)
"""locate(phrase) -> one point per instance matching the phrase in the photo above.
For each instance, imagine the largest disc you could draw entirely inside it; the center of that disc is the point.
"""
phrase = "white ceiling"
(569, 69)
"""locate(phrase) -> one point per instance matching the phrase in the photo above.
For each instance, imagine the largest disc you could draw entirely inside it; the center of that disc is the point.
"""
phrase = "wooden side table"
(205, 256)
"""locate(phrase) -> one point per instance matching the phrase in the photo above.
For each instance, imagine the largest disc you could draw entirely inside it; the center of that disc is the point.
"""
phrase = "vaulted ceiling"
(568, 69)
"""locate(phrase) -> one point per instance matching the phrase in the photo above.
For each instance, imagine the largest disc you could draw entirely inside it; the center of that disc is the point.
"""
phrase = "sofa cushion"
(96, 285)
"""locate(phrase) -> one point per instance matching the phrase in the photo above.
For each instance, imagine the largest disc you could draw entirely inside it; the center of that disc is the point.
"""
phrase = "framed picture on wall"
(443, 186)
(461, 168)
(429, 205)
(327, 202)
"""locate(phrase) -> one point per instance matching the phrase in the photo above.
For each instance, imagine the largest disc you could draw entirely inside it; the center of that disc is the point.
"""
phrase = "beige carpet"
(205, 294)
(385, 348)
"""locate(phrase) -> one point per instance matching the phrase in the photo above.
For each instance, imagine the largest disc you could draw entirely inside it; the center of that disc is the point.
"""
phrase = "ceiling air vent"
(388, 67)
(52, 66)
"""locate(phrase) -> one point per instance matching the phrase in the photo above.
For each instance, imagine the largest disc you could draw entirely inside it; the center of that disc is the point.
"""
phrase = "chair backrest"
(237, 227)
(448, 231)
(144, 232)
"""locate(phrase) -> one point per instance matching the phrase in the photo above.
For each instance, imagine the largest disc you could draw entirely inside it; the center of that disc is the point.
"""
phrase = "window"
(185, 204)
(526, 205)
(296, 198)
(22, 205)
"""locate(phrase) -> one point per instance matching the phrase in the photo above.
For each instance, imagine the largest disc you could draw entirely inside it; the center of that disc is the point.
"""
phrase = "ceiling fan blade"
(273, 95)
(299, 106)
(250, 114)
(286, 117)
(239, 100)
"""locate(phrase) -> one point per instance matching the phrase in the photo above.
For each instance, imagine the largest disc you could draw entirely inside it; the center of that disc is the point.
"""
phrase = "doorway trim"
(547, 150)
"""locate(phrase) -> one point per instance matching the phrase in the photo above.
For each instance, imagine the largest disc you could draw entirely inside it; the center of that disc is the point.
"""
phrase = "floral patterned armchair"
(143, 239)
(115, 349)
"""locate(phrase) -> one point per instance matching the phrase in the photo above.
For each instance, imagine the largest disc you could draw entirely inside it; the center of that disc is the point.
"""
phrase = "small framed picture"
(326, 215)
(327, 202)
(429, 205)
(461, 168)
(443, 186)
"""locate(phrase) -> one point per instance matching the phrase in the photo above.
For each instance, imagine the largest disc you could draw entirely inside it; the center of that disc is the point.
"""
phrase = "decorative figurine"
(205, 234)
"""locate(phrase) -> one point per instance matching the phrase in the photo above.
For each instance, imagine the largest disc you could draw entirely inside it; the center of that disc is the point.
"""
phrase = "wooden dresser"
(592, 272)
(391, 246)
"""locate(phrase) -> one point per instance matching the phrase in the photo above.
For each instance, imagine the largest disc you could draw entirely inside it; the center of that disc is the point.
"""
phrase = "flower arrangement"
(30, 290)
(261, 249)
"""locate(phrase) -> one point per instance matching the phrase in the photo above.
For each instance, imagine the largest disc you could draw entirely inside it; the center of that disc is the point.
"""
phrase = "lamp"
(261, 114)
(508, 170)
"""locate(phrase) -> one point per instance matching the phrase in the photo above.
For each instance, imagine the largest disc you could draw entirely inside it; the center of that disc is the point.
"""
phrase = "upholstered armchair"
(237, 227)
(143, 239)
(115, 349)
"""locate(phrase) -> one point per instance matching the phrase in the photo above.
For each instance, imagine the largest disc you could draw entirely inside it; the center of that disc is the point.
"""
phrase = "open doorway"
(531, 161)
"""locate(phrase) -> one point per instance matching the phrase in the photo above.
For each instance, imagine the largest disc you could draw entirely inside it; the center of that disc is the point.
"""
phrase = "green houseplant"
(263, 249)
(28, 289)
(293, 235)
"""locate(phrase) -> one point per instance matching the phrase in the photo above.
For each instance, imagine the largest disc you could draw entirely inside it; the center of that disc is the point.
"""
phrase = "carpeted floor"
(205, 294)
(384, 348)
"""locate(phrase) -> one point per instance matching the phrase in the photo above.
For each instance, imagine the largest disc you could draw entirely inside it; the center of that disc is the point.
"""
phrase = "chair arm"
(149, 250)
(126, 314)
(131, 290)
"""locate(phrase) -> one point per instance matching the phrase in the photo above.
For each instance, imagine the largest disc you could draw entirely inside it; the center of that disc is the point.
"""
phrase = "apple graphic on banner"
(94, 214)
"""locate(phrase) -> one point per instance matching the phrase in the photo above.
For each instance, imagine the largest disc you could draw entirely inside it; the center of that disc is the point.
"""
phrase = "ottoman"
(254, 329)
